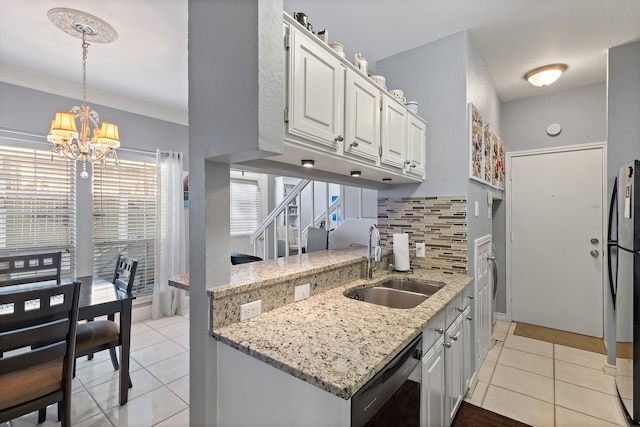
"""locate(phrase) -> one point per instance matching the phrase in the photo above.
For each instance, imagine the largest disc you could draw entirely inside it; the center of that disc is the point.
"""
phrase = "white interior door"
(484, 297)
(556, 246)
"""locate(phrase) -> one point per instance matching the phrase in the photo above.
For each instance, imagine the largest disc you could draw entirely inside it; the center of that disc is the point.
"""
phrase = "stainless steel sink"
(425, 287)
(387, 297)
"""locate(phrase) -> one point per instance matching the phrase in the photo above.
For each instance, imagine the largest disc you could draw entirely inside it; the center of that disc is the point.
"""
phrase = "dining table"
(100, 297)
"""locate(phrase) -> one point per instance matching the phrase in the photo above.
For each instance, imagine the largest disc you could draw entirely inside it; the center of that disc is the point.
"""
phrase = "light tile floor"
(546, 385)
(538, 383)
(160, 376)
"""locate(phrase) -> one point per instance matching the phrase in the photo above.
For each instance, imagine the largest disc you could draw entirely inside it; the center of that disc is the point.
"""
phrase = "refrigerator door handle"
(611, 242)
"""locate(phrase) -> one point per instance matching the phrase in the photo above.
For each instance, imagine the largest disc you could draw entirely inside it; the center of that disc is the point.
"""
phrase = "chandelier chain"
(85, 51)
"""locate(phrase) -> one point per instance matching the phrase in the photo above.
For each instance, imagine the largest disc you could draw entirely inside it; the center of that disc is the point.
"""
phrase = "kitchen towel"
(401, 251)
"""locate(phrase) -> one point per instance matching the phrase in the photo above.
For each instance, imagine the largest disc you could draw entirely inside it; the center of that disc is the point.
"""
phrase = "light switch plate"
(420, 251)
(301, 292)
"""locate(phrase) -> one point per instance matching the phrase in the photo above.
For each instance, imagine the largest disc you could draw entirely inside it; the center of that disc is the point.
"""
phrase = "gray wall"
(481, 93)
(623, 135)
(434, 75)
(235, 114)
(31, 111)
(580, 111)
(443, 76)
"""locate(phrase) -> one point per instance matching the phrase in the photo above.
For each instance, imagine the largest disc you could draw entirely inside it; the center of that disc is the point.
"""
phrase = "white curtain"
(170, 236)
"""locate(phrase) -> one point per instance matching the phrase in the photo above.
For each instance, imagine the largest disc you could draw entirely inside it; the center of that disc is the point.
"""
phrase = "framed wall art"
(486, 151)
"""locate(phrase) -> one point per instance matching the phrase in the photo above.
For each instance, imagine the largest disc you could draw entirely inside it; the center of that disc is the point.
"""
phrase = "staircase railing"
(279, 216)
(272, 219)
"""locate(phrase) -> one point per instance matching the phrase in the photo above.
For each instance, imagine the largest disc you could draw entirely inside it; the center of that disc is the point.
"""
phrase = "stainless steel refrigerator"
(625, 285)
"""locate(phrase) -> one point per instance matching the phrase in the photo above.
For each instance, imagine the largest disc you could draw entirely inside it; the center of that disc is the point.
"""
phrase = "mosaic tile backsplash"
(440, 222)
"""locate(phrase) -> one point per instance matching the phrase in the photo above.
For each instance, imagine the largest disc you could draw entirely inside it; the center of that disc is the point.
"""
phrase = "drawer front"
(453, 310)
(433, 331)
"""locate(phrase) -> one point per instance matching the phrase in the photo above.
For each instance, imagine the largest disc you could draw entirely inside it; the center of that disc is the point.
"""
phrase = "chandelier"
(95, 142)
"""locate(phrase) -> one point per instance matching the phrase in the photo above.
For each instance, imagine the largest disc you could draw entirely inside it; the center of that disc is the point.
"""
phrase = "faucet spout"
(377, 251)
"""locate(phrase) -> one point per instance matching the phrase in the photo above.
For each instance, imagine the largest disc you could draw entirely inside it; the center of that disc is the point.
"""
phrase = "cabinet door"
(362, 117)
(394, 132)
(433, 411)
(416, 144)
(454, 367)
(316, 92)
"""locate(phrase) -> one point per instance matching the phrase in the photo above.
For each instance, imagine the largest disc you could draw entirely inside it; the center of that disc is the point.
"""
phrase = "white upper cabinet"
(316, 92)
(416, 137)
(338, 117)
(394, 132)
(362, 117)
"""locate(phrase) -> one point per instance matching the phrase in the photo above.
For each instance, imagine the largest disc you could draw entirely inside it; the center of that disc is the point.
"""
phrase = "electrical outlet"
(302, 292)
(250, 309)
(420, 250)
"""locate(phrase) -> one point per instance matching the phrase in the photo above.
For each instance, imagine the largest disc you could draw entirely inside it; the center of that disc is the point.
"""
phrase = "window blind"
(245, 206)
(37, 204)
(124, 219)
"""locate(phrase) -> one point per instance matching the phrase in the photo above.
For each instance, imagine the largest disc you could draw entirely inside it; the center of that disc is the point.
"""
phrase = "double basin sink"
(396, 293)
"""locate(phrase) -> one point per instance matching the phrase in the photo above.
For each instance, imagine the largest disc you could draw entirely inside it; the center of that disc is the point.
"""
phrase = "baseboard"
(472, 385)
(609, 369)
(500, 316)
(141, 308)
(141, 311)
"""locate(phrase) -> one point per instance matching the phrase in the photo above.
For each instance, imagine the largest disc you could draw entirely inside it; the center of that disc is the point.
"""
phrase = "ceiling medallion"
(77, 23)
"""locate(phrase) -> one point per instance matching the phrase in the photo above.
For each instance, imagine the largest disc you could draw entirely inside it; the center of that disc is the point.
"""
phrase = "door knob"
(354, 144)
(594, 253)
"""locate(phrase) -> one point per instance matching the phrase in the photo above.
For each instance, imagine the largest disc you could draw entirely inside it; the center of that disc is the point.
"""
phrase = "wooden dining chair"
(31, 378)
(97, 335)
(19, 269)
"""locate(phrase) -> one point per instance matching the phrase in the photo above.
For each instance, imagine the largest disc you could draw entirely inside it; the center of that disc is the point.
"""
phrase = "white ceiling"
(147, 64)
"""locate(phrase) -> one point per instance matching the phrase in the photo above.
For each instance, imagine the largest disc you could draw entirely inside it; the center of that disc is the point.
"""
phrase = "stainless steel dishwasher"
(392, 396)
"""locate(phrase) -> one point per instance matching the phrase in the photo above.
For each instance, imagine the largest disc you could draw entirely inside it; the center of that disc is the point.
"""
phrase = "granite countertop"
(181, 281)
(334, 342)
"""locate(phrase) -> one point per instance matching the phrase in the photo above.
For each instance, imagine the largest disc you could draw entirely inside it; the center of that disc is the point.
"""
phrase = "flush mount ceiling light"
(307, 163)
(68, 142)
(356, 173)
(544, 76)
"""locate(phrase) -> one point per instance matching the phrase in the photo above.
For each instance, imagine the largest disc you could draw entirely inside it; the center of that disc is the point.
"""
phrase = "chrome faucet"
(377, 252)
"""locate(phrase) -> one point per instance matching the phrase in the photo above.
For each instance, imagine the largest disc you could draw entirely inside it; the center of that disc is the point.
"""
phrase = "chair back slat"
(125, 273)
(18, 361)
(19, 269)
(54, 324)
(31, 334)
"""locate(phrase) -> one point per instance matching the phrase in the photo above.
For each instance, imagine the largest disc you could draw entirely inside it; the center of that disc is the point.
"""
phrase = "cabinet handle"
(459, 309)
(413, 165)
(339, 138)
(469, 318)
(470, 296)
(440, 331)
(354, 144)
(447, 344)
(455, 337)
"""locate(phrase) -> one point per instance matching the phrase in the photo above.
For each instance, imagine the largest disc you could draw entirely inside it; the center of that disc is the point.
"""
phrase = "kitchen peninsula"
(299, 363)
